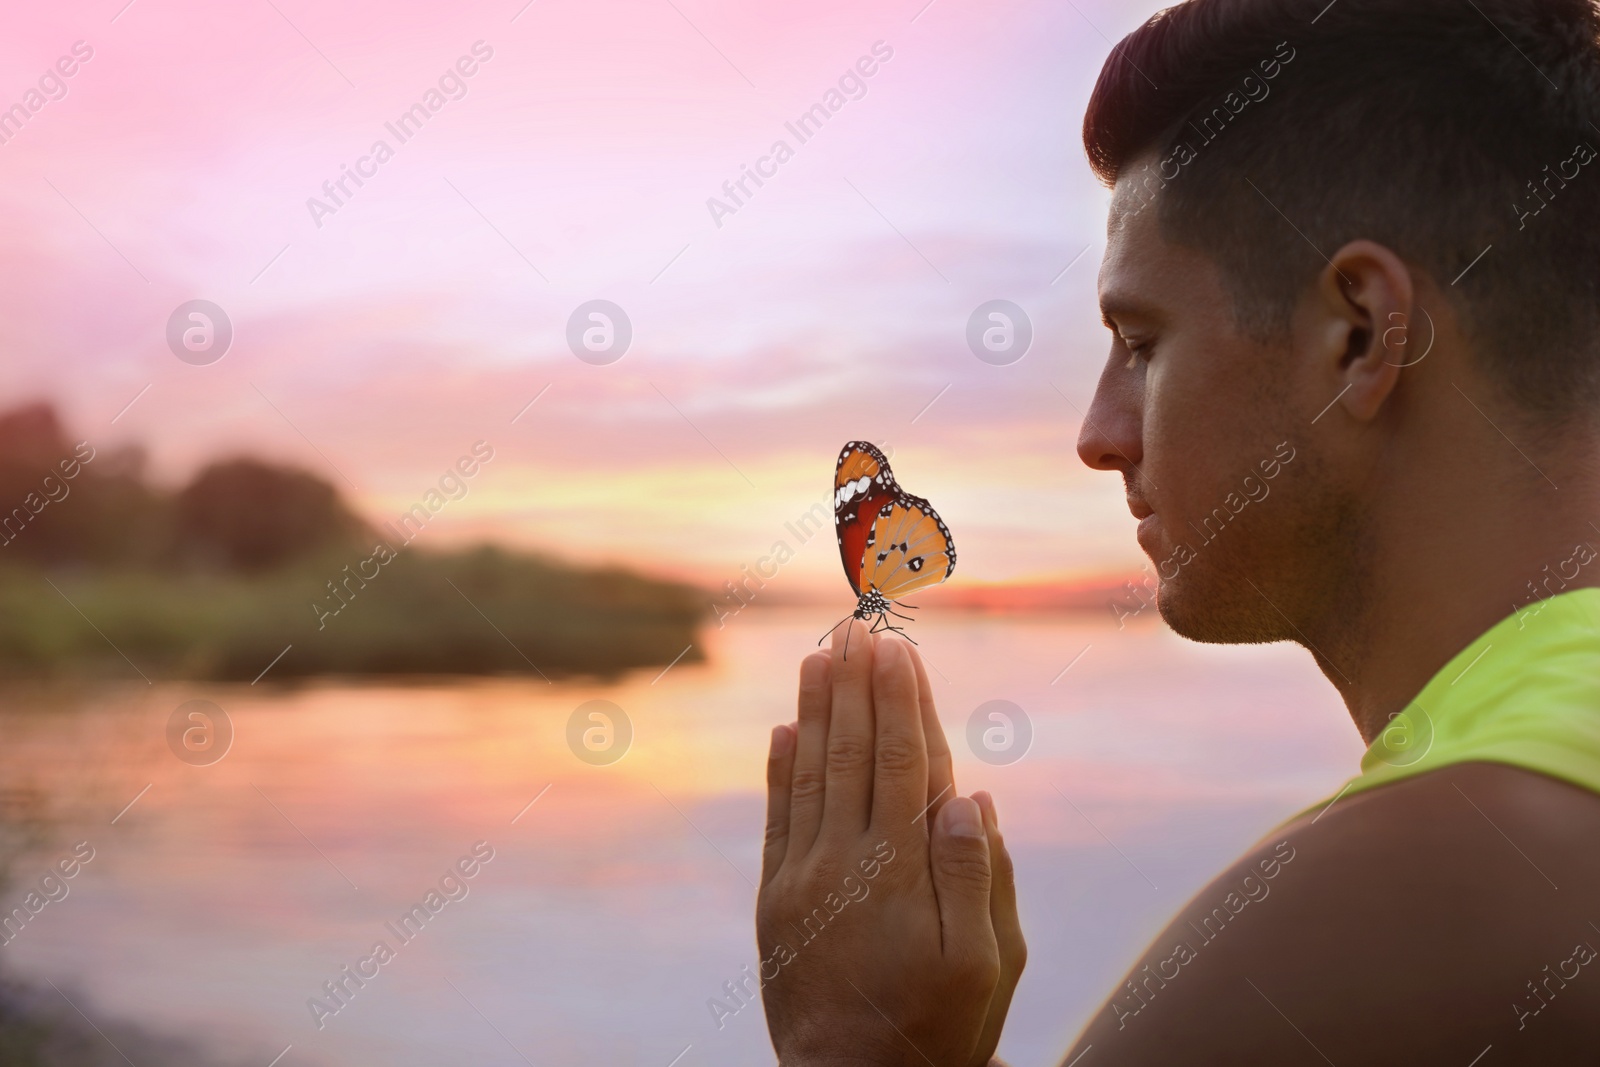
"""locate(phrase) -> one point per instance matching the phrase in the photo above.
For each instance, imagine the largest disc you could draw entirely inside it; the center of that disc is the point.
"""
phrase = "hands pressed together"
(887, 915)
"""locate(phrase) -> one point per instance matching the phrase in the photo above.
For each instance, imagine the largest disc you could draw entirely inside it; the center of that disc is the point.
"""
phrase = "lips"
(1145, 535)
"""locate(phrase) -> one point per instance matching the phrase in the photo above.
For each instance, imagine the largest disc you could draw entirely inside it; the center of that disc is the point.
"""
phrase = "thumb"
(961, 880)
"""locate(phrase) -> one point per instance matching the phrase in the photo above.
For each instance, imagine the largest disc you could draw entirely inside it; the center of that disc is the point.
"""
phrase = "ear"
(1359, 326)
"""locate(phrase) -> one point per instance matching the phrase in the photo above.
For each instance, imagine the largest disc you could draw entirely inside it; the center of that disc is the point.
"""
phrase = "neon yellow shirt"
(1527, 693)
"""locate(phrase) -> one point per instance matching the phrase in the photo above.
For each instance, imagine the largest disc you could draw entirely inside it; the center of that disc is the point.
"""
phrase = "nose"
(1112, 436)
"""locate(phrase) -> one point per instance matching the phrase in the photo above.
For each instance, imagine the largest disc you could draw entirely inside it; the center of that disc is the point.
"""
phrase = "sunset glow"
(577, 161)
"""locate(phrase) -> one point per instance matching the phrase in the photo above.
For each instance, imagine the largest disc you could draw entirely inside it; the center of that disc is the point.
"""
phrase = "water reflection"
(227, 900)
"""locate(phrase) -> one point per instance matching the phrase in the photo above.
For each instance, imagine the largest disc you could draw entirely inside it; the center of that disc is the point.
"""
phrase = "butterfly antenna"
(830, 630)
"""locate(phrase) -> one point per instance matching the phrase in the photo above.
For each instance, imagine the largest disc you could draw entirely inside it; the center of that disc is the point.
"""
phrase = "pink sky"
(415, 320)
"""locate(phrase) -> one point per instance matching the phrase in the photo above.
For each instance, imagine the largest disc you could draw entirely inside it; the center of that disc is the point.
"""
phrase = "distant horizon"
(760, 583)
(1060, 589)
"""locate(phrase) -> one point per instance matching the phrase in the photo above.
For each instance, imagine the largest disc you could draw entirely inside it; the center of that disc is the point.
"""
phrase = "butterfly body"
(871, 603)
(891, 542)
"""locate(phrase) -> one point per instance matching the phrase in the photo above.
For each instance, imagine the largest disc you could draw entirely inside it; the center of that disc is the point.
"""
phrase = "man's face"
(1196, 416)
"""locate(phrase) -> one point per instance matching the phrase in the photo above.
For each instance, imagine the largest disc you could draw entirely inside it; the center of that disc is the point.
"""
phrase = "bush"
(483, 611)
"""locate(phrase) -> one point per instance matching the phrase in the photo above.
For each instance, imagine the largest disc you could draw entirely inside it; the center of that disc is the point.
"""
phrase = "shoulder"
(1421, 921)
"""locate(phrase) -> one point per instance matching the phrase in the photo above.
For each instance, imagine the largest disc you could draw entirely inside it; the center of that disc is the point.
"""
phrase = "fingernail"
(961, 818)
(782, 741)
(889, 653)
(986, 805)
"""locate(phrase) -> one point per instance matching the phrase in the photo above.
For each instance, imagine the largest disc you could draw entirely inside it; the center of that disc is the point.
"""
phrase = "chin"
(1216, 609)
(1201, 627)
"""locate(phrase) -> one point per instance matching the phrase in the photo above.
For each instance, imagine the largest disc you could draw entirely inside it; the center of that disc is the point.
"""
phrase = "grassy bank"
(483, 611)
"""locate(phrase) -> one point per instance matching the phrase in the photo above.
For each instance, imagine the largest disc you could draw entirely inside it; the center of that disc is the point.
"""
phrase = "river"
(224, 896)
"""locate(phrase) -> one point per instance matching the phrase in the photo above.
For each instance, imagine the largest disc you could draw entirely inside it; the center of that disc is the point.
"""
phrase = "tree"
(246, 515)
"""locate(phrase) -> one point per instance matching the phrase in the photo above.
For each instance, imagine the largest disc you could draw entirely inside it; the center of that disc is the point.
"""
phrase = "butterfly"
(892, 543)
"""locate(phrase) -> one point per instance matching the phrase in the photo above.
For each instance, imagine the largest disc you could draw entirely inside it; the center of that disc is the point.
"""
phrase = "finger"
(780, 770)
(961, 877)
(941, 771)
(807, 782)
(1003, 890)
(1007, 924)
(847, 800)
(900, 760)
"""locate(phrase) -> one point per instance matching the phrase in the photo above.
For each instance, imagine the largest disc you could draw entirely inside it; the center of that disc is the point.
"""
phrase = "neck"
(1460, 545)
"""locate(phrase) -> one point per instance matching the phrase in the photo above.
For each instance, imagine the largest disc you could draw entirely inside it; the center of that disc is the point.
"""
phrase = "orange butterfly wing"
(889, 540)
(910, 548)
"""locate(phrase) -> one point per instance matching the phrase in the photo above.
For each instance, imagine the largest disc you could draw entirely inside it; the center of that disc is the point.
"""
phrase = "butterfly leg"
(883, 624)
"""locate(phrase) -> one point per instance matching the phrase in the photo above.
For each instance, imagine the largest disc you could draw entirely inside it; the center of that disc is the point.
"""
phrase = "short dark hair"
(1282, 129)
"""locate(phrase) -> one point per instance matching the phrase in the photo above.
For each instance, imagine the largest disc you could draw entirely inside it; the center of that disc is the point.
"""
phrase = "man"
(1353, 247)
